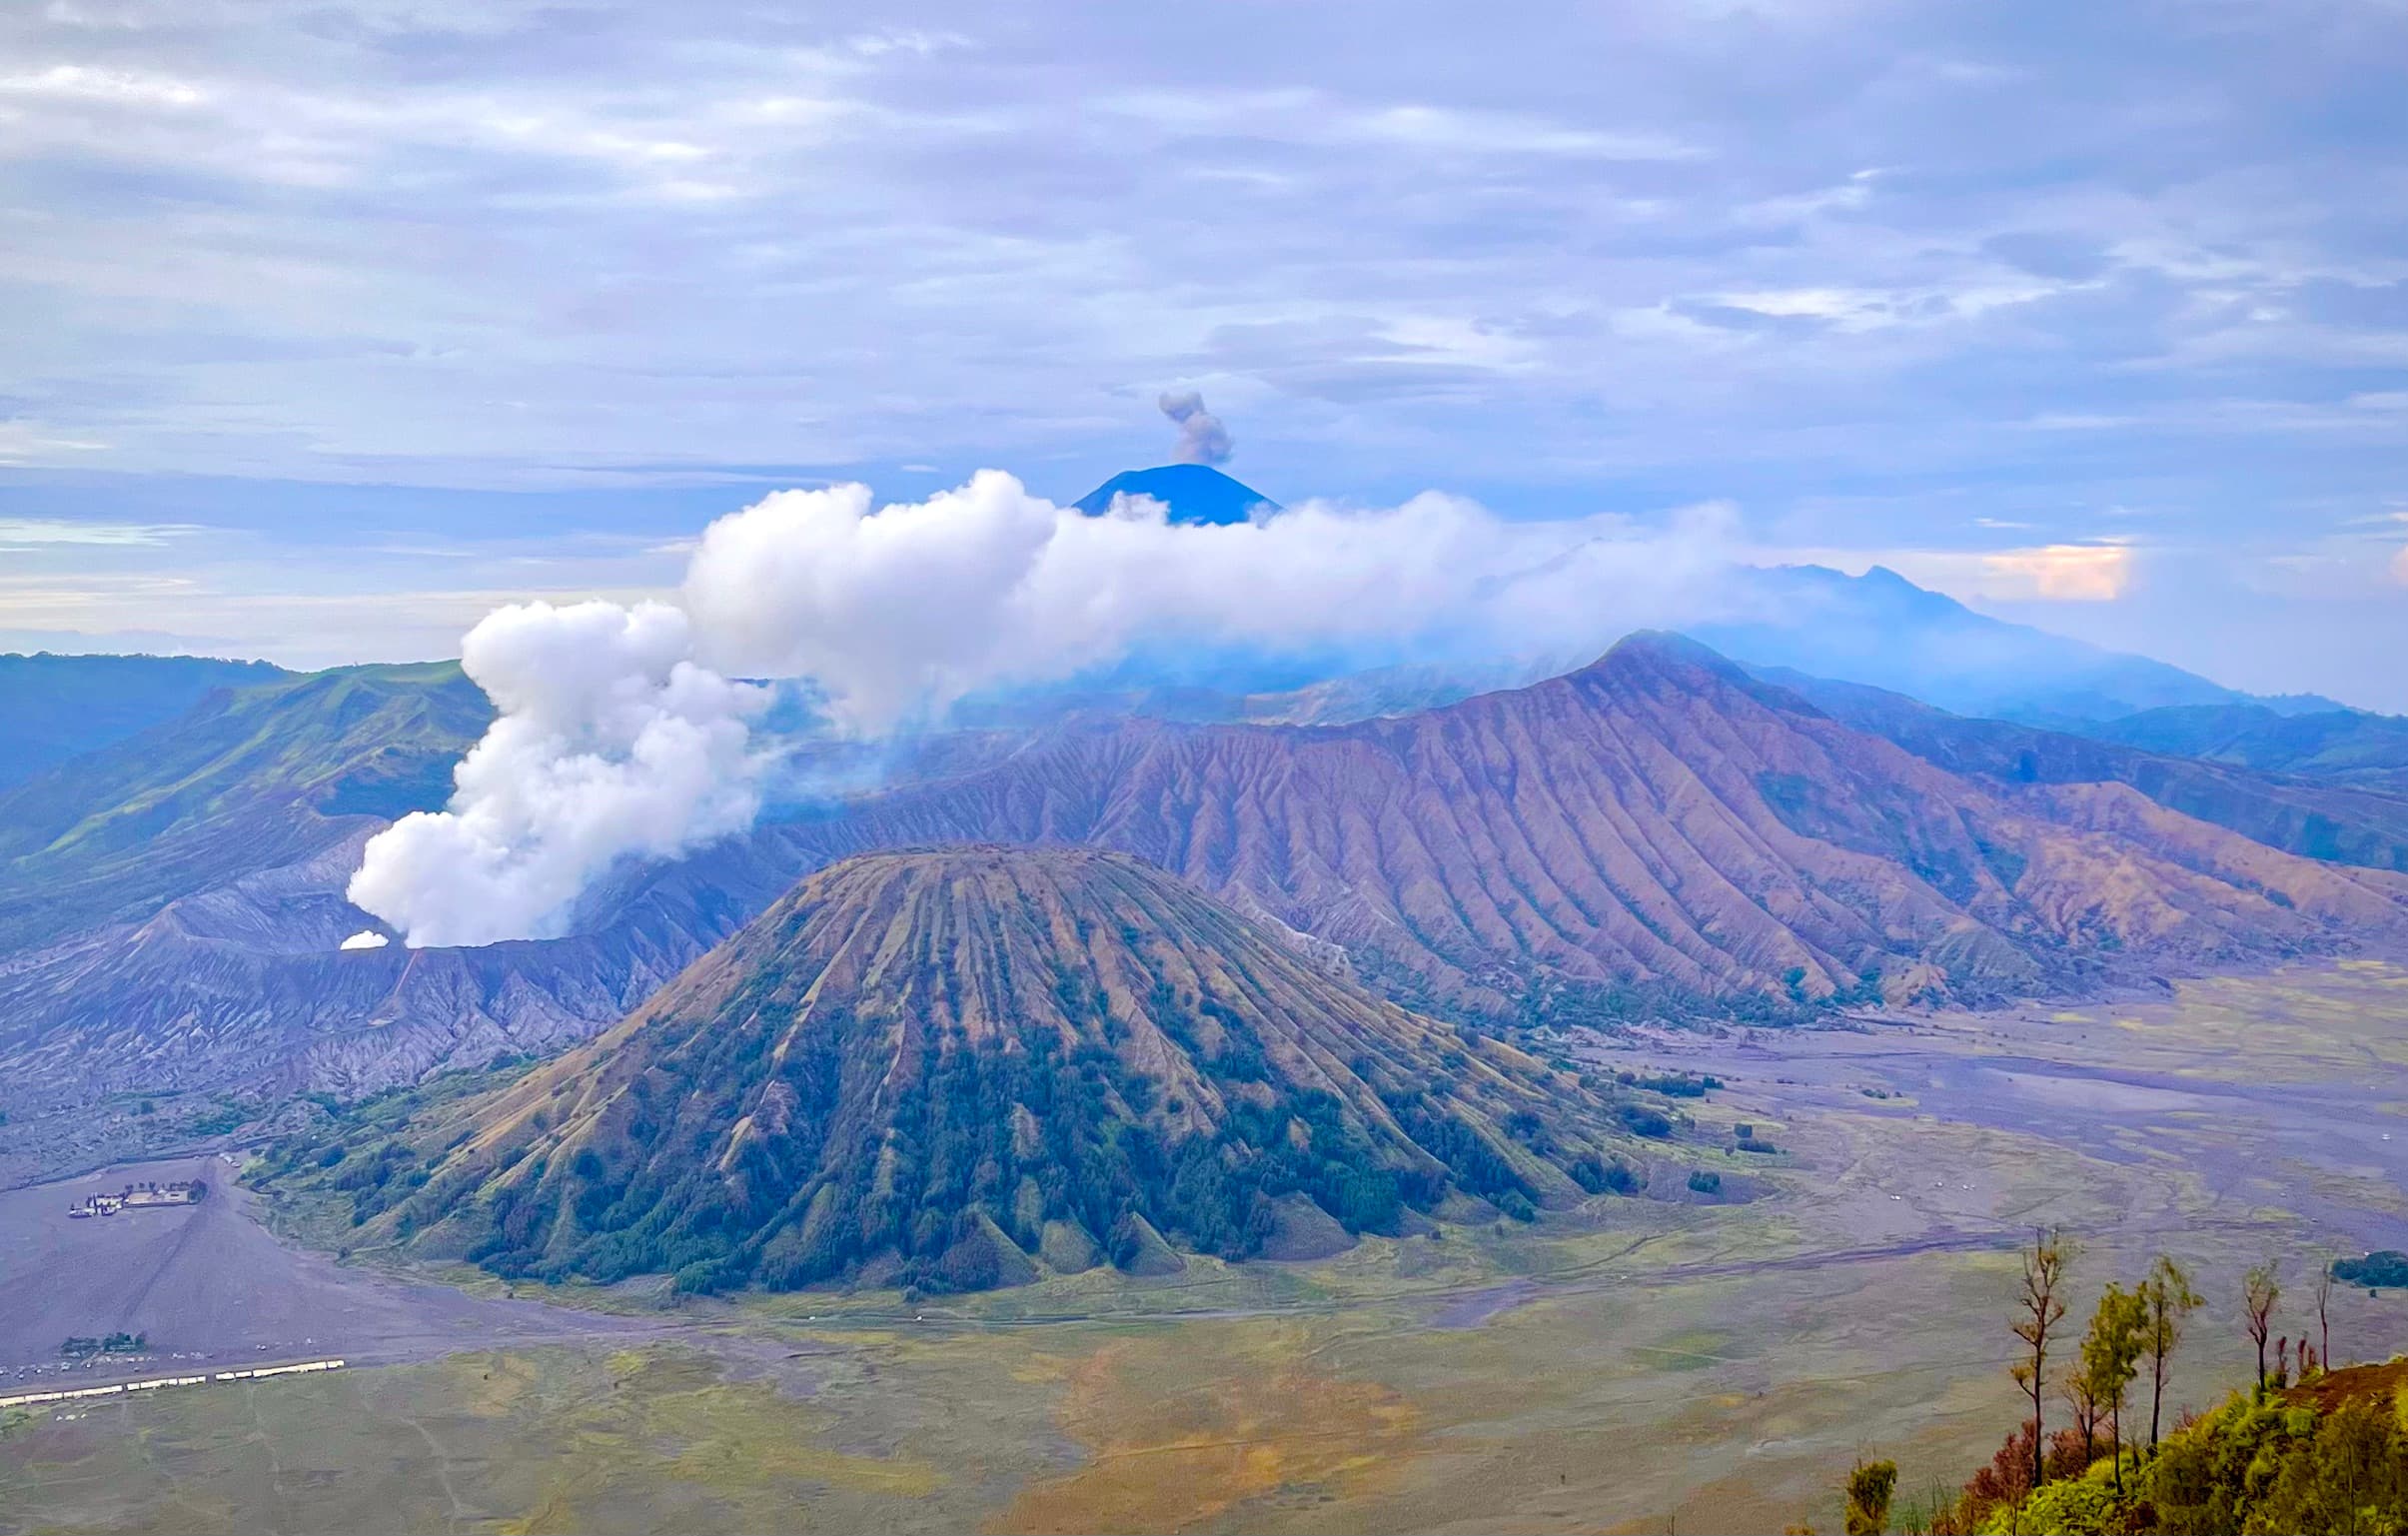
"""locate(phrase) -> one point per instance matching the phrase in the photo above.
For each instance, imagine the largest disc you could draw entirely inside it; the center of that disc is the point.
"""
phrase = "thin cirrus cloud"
(1942, 279)
(36, 532)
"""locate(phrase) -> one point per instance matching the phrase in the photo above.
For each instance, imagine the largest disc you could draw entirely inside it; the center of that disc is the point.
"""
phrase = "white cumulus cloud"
(621, 734)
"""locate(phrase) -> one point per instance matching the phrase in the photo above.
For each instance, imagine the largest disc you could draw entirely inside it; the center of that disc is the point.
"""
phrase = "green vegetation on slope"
(60, 707)
(252, 777)
(2329, 1455)
(924, 1068)
(2310, 1449)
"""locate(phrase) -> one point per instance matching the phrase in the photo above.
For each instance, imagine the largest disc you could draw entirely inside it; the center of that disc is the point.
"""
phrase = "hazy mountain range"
(1661, 831)
(1658, 830)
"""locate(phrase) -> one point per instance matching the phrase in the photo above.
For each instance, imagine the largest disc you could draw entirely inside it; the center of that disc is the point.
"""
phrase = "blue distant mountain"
(58, 707)
(1878, 629)
(1882, 630)
(1195, 493)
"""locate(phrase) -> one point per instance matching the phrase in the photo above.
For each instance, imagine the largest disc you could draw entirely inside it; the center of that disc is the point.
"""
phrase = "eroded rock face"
(1658, 819)
(244, 985)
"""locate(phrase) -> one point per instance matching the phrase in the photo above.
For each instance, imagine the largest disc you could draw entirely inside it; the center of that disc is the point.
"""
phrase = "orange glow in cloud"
(2063, 573)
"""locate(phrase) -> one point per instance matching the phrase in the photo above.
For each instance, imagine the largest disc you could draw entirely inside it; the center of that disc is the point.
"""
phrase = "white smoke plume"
(610, 742)
(1202, 438)
(621, 734)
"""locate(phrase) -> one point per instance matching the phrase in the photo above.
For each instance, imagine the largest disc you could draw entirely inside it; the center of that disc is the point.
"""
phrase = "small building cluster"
(139, 1197)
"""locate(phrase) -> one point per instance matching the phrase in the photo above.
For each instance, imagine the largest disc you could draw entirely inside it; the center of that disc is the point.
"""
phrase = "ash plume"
(1202, 436)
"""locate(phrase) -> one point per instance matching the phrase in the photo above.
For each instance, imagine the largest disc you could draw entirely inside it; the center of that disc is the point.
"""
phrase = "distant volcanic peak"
(1884, 576)
(928, 1065)
(1665, 664)
(1194, 492)
(1666, 650)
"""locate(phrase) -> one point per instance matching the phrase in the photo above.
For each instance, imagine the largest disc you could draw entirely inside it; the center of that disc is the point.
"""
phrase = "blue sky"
(331, 323)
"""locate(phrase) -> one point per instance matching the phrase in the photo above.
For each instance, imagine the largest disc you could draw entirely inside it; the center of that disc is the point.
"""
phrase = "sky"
(331, 323)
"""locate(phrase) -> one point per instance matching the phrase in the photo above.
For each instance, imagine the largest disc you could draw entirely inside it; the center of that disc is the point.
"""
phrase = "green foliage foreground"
(2328, 1456)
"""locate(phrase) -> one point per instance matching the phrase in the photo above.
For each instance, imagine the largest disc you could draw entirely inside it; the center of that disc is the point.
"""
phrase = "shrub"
(2083, 1506)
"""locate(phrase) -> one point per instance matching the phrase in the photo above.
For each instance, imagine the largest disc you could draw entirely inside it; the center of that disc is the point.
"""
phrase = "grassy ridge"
(60, 707)
(251, 778)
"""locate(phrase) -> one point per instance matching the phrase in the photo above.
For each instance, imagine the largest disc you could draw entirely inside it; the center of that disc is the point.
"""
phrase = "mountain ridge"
(1658, 817)
(2350, 812)
(1633, 841)
(273, 773)
(1882, 630)
(58, 707)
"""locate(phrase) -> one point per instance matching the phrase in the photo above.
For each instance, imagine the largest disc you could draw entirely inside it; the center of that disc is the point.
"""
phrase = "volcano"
(1194, 492)
(943, 1068)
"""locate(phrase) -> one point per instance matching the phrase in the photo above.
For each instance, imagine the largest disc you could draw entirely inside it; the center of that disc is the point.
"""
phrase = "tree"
(2261, 1288)
(2040, 1309)
(2324, 1325)
(2111, 1358)
(2078, 1388)
(2167, 1302)
(1870, 1484)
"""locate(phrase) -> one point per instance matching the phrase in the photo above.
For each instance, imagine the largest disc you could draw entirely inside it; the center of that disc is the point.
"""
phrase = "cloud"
(26, 533)
(28, 442)
(366, 938)
(451, 245)
(1859, 309)
(899, 609)
(2058, 572)
(1083, 200)
(1458, 130)
(1202, 438)
(620, 734)
(70, 82)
